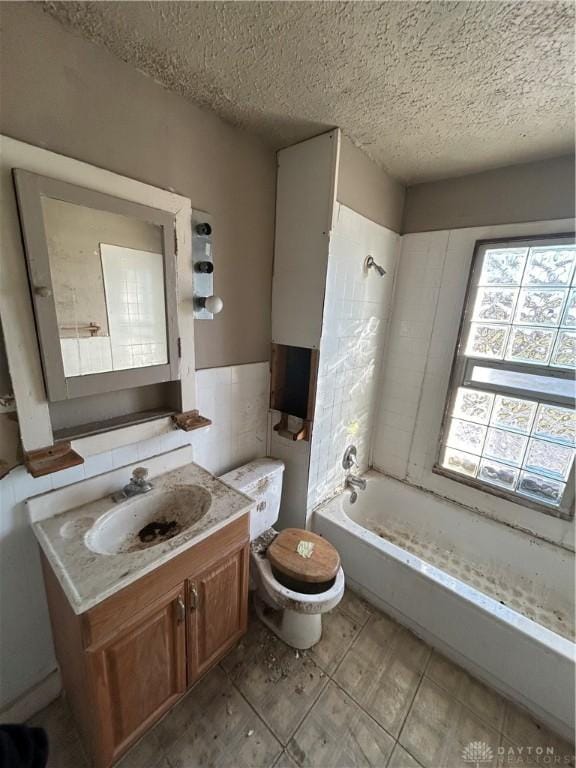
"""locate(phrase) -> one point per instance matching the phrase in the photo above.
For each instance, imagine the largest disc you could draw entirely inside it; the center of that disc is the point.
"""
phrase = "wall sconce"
(211, 304)
(206, 305)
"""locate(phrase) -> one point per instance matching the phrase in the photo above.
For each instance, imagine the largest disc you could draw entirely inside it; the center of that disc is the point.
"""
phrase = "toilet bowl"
(290, 604)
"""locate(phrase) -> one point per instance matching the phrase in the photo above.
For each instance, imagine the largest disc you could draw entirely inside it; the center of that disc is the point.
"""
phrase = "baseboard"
(35, 699)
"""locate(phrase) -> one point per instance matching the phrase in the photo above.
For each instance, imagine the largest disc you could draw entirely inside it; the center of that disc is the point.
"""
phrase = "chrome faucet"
(369, 263)
(138, 484)
(352, 482)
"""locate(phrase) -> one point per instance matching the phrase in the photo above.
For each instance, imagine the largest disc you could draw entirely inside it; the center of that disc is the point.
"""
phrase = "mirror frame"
(29, 190)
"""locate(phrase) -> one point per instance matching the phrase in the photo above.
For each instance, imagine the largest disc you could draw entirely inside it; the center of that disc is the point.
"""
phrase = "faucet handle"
(140, 474)
(349, 459)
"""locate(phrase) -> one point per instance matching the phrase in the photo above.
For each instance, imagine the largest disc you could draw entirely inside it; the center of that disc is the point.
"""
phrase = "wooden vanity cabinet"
(127, 661)
(139, 673)
(217, 615)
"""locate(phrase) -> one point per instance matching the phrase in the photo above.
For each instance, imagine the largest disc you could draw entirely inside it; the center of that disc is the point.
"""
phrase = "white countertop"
(88, 578)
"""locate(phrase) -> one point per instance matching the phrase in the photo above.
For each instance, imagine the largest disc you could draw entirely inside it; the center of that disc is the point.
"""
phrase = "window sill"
(522, 501)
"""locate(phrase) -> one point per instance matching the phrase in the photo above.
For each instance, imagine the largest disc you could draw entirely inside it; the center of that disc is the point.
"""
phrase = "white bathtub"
(496, 600)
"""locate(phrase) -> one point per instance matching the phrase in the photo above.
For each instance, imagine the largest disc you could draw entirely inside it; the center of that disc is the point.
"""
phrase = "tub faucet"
(138, 484)
(353, 482)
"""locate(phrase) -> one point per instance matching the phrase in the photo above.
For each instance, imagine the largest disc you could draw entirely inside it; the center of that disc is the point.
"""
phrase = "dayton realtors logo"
(479, 754)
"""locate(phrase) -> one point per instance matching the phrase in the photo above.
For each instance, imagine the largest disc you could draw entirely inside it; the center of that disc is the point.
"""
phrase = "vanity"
(137, 623)
(104, 278)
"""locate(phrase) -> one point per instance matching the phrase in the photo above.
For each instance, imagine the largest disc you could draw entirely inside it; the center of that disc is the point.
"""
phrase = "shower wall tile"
(432, 275)
(407, 357)
(356, 310)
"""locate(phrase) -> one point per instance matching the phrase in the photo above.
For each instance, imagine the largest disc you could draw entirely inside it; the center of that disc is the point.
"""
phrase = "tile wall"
(356, 311)
(235, 397)
(430, 290)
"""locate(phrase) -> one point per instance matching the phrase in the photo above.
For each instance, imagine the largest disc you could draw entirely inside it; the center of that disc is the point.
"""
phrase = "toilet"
(296, 575)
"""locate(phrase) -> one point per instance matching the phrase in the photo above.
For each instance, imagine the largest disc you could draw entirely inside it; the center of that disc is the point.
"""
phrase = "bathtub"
(494, 599)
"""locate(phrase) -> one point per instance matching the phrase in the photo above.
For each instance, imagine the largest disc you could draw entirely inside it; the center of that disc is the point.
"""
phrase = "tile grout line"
(330, 679)
(409, 709)
(481, 717)
(301, 721)
(365, 711)
(354, 618)
(345, 653)
(323, 671)
(293, 732)
(352, 644)
(243, 697)
(358, 704)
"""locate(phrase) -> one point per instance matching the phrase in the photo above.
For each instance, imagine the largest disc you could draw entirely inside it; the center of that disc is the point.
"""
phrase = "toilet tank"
(261, 479)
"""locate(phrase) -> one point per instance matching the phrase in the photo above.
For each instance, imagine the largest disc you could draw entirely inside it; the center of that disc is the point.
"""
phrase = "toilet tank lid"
(245, 477)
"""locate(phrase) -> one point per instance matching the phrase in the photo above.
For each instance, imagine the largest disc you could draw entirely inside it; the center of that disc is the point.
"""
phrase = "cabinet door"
(139, 673)
(218, 609)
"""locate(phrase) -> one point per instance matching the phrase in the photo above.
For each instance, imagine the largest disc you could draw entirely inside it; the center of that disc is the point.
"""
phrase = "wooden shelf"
(283, 429)
(54, 458)
(293, 389)
(190, 420)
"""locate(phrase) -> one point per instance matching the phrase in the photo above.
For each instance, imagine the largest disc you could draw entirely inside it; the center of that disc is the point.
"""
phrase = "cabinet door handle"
(180, 610)
(193, 597)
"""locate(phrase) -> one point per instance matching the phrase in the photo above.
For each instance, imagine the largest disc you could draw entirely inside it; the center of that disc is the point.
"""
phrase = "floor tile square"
(355, 607)
(402, 759)
(279, 682)
(525, 732)
(265, 694)
(439, 729)
(223, 731)
(173, 725)
(146, 752)
(337, 733)
(484, 701)
(382, 670)
(338, 632)
(285, 761)
(64, 745)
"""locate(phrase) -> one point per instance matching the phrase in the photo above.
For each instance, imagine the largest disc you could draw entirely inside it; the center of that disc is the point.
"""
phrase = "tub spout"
(353, 482)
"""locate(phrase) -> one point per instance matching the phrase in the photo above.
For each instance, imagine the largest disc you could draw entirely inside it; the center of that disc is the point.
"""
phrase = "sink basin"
(148, 520)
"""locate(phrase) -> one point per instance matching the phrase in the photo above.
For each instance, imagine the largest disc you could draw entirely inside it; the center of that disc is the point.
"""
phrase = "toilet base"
(299, 630)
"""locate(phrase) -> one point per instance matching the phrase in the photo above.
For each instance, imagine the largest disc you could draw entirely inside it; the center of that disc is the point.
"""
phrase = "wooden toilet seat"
(303, 556)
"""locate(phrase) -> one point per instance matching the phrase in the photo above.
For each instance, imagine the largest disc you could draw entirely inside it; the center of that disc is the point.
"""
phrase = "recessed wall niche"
(293, 389)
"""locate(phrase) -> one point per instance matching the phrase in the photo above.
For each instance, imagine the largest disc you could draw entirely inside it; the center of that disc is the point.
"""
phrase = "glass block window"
(510, 424)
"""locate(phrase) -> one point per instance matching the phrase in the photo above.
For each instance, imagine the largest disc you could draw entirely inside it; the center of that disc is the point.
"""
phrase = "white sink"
(148, 520)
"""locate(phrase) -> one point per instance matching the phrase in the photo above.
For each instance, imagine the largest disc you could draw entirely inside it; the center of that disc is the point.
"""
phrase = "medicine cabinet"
(102, 275)
(97, 307)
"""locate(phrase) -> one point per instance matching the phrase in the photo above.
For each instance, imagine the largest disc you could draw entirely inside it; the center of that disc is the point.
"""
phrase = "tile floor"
(369, 694)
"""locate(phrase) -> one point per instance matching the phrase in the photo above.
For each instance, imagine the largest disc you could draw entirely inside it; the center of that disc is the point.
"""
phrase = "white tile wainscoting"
(234, 397)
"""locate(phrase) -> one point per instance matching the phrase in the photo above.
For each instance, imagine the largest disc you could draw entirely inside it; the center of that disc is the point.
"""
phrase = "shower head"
(370, 263)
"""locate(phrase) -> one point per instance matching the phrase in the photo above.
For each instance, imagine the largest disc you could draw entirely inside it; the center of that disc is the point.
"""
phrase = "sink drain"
(158, 530)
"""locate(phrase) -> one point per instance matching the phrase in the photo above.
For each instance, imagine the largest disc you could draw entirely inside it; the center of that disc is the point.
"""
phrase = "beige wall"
(367, 189)
(518, 193)
(67, 95)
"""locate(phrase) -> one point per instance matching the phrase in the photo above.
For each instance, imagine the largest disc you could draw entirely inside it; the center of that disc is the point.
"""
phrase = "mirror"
(107, 275)
(102, 273)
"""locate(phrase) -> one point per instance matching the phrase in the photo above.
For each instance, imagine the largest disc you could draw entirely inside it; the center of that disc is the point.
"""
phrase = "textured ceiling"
(427, 89)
